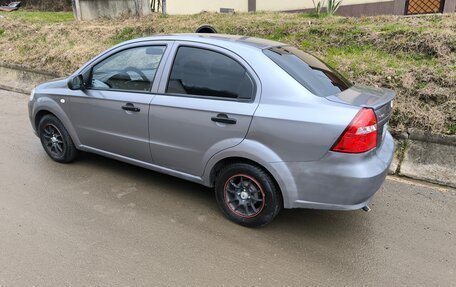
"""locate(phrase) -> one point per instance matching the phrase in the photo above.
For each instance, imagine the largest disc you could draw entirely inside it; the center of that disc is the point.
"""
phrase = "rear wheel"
(56, 140)
(247, 195)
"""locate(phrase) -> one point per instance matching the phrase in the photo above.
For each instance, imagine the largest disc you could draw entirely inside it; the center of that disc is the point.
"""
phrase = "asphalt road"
(99, 222)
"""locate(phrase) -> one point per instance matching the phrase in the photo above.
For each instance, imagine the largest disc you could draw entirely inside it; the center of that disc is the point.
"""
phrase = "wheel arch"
(230, 160)
(49, 107)
(39, 115)
(236, 159)
(254, 152)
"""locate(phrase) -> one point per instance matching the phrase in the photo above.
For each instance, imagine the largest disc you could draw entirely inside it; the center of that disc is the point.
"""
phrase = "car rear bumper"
(338, 181)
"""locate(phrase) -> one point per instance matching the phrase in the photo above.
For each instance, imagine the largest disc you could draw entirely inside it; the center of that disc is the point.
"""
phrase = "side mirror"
(76, 83)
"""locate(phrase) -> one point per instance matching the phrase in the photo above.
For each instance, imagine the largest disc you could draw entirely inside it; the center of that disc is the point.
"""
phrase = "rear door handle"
(223, 118)
(130, 107)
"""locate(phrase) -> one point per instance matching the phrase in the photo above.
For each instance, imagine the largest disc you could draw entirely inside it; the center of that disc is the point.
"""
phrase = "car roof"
(215, 39)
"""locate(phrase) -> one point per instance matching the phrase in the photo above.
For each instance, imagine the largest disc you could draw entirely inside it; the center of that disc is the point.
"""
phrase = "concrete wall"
(348, 7)
(450, 6)
(92, 9)
(373, 8)
(271, 5)
(197, 6)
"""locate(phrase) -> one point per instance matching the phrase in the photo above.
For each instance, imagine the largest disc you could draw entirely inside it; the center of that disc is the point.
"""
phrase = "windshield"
(308, 70)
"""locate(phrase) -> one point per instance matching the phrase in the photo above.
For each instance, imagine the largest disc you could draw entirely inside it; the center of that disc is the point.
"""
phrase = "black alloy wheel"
(56, 140)
(247, 194)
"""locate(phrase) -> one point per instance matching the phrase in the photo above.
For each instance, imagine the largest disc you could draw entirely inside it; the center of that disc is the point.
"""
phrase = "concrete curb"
(28, 69)
(419, 155)
(425, 156)
(13, 89)
(17, 79)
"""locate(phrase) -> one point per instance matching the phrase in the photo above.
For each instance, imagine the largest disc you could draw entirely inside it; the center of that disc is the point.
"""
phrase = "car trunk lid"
(363, 96)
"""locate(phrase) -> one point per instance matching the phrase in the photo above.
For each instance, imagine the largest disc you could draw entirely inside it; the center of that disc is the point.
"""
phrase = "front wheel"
(56, 140)
(247, 195)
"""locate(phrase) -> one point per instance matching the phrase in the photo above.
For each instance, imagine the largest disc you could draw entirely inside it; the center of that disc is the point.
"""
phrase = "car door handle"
(130, 107)
(223, 118)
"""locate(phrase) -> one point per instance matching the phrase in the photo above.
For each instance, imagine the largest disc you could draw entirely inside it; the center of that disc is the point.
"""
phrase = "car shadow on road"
(318, 224)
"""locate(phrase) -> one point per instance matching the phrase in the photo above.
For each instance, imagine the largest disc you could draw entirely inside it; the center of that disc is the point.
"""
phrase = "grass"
(415, 56)
(125, 34)
(452, 128)
(39, 16)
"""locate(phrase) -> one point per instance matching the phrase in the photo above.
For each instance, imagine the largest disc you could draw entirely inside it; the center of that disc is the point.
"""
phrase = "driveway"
(99, 222)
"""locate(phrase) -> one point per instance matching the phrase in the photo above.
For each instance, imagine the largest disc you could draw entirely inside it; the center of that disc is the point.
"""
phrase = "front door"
(112, 114)
(206, 102)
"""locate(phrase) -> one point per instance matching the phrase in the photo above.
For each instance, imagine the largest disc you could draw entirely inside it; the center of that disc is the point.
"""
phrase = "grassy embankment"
(413, 55)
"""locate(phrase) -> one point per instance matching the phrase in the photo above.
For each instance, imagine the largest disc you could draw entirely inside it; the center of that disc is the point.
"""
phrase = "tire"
(247, 195)
(56, 140)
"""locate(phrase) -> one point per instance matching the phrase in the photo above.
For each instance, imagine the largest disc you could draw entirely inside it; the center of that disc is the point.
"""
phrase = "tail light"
(360, 135)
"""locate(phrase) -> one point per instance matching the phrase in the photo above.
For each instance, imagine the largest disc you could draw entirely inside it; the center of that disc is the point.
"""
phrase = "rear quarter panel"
(295, 124)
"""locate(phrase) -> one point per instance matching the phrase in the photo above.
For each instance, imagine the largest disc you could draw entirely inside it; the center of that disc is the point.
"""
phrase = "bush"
(45, 5)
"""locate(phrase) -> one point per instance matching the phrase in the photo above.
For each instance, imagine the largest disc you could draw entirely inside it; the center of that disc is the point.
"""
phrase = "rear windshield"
(309, 71)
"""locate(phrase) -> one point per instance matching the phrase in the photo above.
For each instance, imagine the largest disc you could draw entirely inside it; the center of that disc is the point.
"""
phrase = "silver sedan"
(266, 124)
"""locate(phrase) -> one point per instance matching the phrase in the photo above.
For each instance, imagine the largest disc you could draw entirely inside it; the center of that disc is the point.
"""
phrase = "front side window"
(308, 70)
(132, 69)
(204, 72)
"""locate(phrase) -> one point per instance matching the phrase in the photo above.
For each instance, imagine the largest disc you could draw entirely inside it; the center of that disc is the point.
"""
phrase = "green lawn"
(39, 17)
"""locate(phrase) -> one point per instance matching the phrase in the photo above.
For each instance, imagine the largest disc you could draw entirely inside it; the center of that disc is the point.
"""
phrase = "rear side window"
(204, 72)
(309, 71)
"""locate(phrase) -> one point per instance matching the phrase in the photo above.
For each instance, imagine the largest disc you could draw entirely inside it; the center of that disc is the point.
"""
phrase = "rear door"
(206, 100)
